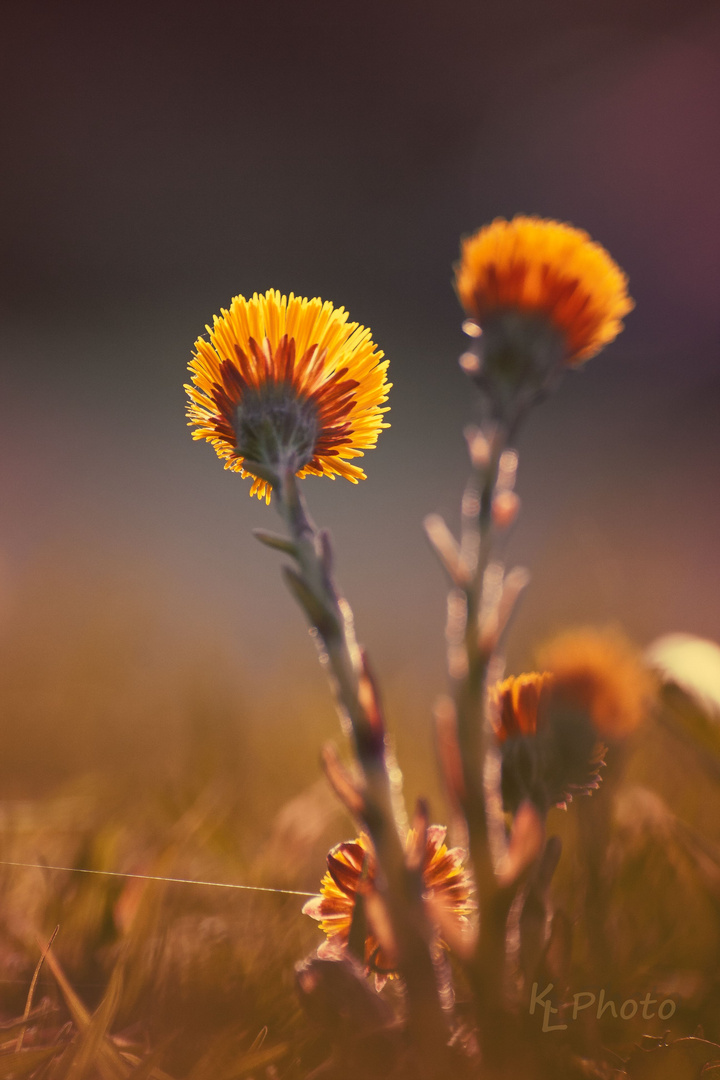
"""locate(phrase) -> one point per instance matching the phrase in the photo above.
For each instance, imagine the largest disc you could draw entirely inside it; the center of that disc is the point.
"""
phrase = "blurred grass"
(129, 745)
(640, 877)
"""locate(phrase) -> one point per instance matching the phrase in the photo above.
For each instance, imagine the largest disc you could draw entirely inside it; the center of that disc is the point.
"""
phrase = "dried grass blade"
(22, 1062)
(12, 1027)
(93, 1048)
(256, 1059)
(148, 1068)
(108, 1060)
(78, 1012)
(33, 984)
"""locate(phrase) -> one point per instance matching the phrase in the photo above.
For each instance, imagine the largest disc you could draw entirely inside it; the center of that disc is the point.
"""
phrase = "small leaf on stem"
(418, 838)
(448, 748)
(446, 547)
(505, 508)
(342, 783)
(527, 840)
(258, 468)
(274, 540)
(314, 609)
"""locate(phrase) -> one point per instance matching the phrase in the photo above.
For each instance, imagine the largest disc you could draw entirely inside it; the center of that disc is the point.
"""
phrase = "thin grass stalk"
(31, 991)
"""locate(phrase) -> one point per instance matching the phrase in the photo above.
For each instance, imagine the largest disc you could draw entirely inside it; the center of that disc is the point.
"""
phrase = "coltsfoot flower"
(543, 296)
(545, 269)
(552, 726)
(352, 869)
(515, 703)
(287, 382)
(601, 671)
(551, 751)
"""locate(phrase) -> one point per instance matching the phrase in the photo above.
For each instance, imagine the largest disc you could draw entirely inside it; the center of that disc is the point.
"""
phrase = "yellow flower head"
(546, 271)
(352, 868)
(287, 382)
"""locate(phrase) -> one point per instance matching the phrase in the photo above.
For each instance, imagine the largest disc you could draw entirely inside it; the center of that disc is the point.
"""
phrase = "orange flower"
(289, 383)
(515, 703)
(352, 868)
(600, 671)
(549, 273)
(550, 749)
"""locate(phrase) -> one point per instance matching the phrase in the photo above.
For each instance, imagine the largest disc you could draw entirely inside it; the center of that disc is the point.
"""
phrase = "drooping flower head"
(552, 727)
(289, 383)
(352, 870)
(543, 296)
(515, 703)
(550, 748)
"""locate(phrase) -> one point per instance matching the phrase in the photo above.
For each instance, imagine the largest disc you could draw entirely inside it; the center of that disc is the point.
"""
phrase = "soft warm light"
(691, 663)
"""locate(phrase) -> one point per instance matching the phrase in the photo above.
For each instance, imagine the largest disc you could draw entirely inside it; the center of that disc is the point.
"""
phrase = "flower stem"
(470, 688)
(481, 799)
(358, 701)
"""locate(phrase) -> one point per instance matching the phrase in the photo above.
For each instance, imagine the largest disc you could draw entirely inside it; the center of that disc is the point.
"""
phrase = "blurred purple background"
(161, 158)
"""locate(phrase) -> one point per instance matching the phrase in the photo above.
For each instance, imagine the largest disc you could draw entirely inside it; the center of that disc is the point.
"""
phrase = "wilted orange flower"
(446, 880)
(545, 269)
(552, 726)
(551, 750)
(515, 703)
(288, 382)
(602, 672)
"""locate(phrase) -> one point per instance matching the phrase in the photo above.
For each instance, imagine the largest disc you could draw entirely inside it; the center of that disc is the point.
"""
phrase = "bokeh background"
(161, 705)
(160, 159)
